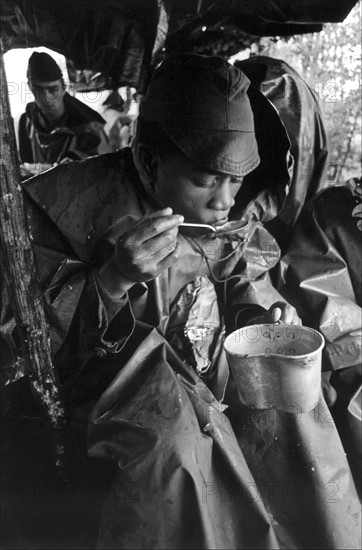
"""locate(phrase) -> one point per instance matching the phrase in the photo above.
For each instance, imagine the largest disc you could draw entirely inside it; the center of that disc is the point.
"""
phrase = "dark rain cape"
(78, 135)
(299, 109)
(146, 396)
(320, 274)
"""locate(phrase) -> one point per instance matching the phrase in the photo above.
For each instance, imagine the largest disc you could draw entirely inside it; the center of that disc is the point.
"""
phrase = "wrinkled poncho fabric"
(299, 109)
(145, 377)
(320, 274)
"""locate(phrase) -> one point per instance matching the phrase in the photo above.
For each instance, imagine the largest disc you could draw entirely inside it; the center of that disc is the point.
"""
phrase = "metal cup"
(276, 366)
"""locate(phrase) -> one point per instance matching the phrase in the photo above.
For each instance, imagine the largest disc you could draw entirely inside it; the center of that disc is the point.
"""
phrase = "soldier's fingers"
(161, 244)
(155, 226)
(169, 260)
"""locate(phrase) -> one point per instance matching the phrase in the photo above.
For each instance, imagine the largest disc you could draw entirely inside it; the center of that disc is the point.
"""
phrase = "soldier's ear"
(148, 160)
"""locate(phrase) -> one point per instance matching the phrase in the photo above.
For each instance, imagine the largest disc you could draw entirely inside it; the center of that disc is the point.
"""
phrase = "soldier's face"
(201, 196)
(48, 95)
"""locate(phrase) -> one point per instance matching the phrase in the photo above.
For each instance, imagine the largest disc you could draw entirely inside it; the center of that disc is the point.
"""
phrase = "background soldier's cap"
(43, 68)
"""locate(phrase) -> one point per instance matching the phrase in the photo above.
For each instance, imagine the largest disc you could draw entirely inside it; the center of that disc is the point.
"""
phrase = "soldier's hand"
(143, 251)
(278, 312)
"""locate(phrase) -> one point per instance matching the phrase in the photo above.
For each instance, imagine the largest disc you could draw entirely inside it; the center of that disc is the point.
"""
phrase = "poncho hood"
(265, 189)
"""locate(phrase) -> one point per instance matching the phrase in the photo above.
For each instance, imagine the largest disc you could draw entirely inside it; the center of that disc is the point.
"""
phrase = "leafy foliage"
(330, 62)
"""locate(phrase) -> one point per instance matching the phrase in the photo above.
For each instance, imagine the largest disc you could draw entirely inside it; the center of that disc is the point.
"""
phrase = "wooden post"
(19, 272)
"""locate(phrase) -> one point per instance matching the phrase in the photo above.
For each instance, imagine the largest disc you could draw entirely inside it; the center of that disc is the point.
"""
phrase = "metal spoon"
(202, 225)
(228, 227)
(232, 227)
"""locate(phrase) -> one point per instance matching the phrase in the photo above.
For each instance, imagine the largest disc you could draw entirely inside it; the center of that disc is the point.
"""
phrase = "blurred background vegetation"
(330, 62)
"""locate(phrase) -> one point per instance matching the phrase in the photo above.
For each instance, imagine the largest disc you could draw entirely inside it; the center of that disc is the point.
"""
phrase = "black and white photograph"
(181, 275)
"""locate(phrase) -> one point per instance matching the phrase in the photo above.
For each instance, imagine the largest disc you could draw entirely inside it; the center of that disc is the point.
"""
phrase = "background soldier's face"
(48, 95)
